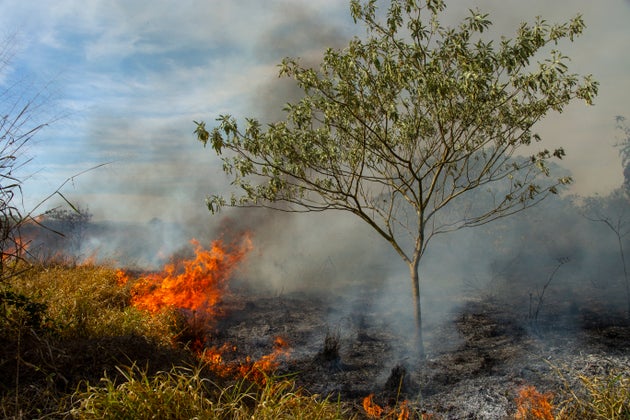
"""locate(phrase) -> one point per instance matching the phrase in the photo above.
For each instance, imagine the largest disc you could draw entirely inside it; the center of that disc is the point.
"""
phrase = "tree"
(400, 128)
(71, 224)
(612, 211)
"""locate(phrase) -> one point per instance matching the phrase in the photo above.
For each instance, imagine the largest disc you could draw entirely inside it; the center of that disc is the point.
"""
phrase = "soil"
(478, 356)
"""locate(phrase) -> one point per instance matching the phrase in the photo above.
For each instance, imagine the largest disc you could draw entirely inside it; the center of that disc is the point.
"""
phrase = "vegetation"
(18, 125)
(400, 129)
(600, 397)
(74, 347)
(185, 393)
(63, 325)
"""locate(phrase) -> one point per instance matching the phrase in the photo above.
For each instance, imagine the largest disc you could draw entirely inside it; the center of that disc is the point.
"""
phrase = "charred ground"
(479, 355)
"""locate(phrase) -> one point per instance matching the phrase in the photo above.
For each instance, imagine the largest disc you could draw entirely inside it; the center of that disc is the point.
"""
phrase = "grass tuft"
(599, 397)
(186, 393)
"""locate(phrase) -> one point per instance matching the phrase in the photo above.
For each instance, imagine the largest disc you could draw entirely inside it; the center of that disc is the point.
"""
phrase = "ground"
(479, 355)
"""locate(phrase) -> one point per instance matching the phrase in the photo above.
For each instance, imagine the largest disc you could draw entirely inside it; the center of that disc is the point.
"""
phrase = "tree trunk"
(415, 284)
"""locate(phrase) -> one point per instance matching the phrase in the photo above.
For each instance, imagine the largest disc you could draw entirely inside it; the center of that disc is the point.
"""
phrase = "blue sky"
(123, 81)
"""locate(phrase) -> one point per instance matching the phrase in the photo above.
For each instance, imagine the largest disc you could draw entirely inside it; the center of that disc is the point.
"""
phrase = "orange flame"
(371, 408)
(19, 247)
(531, 404)
(404, 411)
(267, 363)
(399, 412)
(257, 370)
(122, 277)
(196, 285)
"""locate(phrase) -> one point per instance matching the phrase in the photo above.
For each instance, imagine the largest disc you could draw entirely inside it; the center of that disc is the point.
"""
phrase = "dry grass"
(600, 397)
(86, 301)
(66, 328)
(186, 393)
(73, 347)
(60, 325)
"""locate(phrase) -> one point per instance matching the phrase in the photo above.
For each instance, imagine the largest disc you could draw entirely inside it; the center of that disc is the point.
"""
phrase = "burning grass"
(66, 328)
(193, 285)
(531, 405)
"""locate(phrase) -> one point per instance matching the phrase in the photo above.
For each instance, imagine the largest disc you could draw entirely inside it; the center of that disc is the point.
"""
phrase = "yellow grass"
(185, 393)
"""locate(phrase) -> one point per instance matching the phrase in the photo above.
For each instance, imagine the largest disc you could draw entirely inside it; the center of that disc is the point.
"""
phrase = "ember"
(257, 370)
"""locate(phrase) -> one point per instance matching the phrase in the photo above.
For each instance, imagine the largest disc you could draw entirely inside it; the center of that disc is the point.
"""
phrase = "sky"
(121, 81)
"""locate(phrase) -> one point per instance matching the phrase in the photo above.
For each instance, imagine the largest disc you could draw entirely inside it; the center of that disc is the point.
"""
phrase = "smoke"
(339, 257)
(333, 255)
(302, 34)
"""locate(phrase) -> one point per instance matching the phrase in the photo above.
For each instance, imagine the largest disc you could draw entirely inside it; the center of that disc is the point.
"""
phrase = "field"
(93, 341)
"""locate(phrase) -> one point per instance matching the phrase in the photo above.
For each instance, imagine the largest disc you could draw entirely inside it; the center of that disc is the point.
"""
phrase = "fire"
(19, 247)
(531, 404)
(399, 412)
(267, 363)
(122, 277)
(404, 411)
(196, 285)
(371, 408)
(256, 371)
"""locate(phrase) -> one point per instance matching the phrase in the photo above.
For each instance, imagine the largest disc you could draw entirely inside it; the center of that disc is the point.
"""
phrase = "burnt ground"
(479, 354)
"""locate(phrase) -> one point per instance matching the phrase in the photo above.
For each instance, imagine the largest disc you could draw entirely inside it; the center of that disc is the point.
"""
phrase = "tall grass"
(183, 393)
(74, 347)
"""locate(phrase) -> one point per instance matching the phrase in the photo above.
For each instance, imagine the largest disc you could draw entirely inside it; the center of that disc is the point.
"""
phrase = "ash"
(478, 356)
